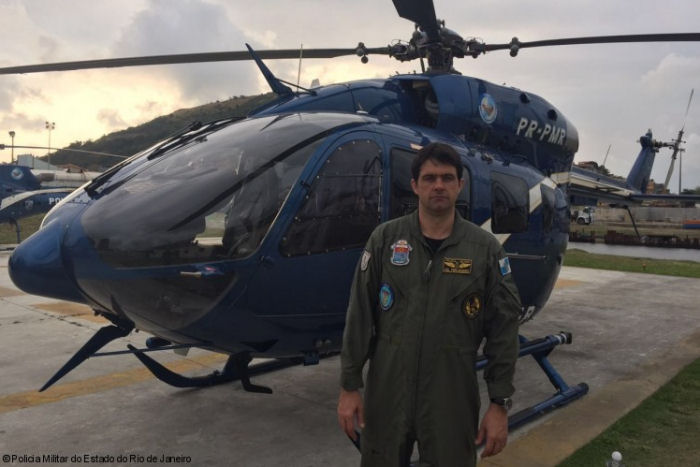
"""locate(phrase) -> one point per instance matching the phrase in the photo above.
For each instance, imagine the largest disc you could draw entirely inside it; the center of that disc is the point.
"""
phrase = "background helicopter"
(253, 257)
(25, 191)
(587, 187)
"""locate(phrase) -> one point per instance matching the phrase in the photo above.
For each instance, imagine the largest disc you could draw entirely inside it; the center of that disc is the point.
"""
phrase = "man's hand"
(349, 407)
(493, 430)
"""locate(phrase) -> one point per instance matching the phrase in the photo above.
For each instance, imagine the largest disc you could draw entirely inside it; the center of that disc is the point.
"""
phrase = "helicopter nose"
(36, 266)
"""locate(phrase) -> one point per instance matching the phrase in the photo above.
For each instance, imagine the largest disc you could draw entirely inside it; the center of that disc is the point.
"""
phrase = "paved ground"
(632, 332)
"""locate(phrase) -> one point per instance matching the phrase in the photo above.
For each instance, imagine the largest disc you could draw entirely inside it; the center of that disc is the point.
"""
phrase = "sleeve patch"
(366, 255)
(504, 265)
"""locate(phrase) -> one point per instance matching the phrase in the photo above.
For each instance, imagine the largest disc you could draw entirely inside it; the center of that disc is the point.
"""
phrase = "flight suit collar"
(459, 230)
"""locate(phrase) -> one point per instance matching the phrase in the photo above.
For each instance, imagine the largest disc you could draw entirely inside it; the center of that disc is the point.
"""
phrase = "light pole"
(12, 153)
(49, 126)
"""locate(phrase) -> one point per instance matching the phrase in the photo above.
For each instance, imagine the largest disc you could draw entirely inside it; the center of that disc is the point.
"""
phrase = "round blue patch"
(487, 109)
(17, 173)
(386, 297)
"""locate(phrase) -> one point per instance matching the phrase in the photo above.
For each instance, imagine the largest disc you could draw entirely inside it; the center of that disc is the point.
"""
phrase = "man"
(429, 288)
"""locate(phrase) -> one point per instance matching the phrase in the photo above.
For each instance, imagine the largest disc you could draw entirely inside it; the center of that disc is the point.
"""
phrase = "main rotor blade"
(421, 12)
(669, 173)
(671, 37)
(690, 99)
(188, 58)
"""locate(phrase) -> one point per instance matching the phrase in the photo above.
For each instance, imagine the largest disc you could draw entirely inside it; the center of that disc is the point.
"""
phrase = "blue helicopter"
(24, 192)
(588, 187)
(241, 236)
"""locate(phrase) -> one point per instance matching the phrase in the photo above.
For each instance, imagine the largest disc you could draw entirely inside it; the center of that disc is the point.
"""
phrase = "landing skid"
(539, 349)
(565, 394)
(101, 338)
(236, 368)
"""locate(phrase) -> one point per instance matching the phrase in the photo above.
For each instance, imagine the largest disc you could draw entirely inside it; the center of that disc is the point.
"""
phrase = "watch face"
(505, 402)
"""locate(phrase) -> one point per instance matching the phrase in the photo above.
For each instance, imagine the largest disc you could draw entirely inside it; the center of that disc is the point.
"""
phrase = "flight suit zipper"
(426, 277)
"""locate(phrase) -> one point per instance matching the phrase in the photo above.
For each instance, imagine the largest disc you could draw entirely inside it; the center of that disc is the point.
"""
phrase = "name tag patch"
(456, 266)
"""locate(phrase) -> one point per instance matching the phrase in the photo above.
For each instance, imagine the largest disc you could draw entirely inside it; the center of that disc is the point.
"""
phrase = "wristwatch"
(505, 402)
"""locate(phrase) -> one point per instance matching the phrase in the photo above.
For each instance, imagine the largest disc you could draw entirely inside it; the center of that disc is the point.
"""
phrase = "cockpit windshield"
(213, 198)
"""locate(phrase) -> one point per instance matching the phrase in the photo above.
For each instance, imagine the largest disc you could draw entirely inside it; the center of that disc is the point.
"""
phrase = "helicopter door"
(319, 247)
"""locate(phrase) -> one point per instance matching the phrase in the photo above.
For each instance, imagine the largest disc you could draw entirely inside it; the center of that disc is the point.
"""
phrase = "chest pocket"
(402, 286)
(465, 309)
(405, 281)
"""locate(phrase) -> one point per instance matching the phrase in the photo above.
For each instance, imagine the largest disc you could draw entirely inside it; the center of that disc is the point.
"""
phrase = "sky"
(612, 93)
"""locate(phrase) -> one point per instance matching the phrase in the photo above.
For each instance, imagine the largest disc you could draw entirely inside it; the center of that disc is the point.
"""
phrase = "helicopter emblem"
(487, 109)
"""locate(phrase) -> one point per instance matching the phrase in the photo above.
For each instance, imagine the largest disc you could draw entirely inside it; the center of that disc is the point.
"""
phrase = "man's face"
(437, 186)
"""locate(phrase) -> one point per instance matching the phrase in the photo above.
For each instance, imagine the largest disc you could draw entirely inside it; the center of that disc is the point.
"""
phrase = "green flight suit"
(419, 318)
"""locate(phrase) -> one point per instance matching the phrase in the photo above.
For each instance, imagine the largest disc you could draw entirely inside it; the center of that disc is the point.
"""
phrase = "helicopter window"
(251, 210)
(211, 200)
(381, 103)
(403, 200)
(424, 108)
(548, 200)
(510, 202)
(342, 207)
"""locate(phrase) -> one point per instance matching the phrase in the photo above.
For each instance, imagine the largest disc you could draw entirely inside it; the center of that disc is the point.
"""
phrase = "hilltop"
(134, 139)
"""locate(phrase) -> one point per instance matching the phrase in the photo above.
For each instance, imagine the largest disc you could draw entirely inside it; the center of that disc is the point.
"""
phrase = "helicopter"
(242, 236)
(587, 187)
(26, 192)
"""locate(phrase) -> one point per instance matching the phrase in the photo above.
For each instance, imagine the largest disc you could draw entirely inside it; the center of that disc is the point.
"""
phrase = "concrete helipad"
(632, 332)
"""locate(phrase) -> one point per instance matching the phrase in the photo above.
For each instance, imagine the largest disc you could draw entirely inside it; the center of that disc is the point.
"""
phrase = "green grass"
(661, 431)
(28, 226)
(575, 257)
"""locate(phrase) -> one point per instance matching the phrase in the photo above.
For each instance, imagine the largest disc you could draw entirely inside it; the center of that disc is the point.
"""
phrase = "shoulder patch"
(364, 262)
(504, 265)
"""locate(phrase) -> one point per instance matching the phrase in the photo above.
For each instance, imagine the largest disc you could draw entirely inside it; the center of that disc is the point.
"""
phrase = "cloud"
(671, 66)
(111, 118)
(18, 121)
(8, 92)
(148, 107)
(49, 47)
(186, 26)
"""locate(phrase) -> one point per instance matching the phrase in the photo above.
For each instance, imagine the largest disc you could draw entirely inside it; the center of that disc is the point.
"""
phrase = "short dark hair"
(438, 152)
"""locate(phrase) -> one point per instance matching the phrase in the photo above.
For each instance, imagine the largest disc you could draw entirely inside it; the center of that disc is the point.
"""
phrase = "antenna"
(680, 152)
(690, 99)
(677, 150)
(606, 155)
(680, 171)
(301, 53)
